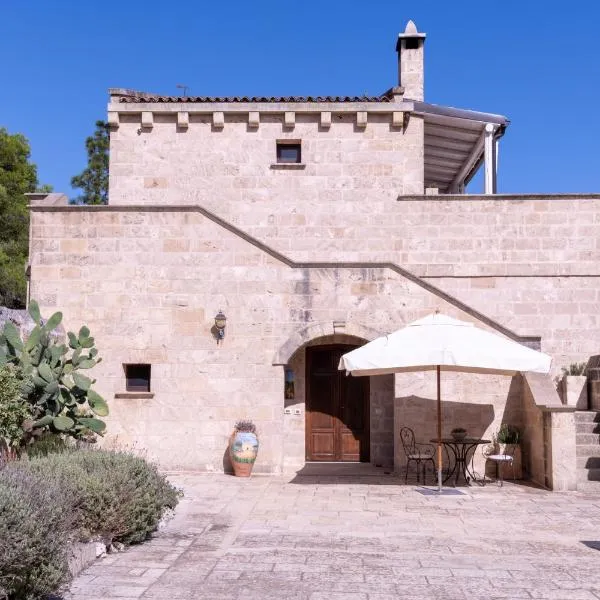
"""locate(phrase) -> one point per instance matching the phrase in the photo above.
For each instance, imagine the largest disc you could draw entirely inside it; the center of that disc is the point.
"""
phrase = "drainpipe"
(490, 158)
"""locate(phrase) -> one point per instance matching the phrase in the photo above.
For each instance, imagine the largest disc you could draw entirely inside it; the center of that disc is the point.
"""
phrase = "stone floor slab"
(369, 538)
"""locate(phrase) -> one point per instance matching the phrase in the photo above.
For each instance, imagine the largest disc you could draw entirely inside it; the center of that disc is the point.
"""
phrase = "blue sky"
(536, 62)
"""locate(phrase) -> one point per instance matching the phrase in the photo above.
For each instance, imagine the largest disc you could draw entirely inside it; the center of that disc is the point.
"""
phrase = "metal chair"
(505, 456)
(415, 452)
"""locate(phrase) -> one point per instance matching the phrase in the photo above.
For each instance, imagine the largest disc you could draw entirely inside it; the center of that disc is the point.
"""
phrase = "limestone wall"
(149, 281)
(345, 167)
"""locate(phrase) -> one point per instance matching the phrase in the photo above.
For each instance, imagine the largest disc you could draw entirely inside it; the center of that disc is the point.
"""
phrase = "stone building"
(315, 224)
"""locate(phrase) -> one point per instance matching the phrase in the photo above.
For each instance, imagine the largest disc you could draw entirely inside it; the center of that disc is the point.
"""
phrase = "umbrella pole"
(439, 430)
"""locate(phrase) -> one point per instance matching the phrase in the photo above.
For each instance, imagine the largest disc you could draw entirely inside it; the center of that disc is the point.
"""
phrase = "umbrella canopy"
(445, 344)
(453, 345)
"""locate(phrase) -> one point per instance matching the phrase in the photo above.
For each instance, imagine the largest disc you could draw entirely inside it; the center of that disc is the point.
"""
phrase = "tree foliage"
(93, 180)
(18, 176)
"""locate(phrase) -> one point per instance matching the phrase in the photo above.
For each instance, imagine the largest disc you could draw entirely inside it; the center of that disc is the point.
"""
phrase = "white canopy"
(444, 344)
(453, 345)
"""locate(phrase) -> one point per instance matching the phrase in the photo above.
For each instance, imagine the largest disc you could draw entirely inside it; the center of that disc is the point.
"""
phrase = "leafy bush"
(117, 496)
(49, 443)
(35, 520)
(14, 411)
(508, 435)
(574, 369)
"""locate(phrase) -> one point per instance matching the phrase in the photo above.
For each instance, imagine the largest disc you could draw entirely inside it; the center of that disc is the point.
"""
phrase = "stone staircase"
(587, 437)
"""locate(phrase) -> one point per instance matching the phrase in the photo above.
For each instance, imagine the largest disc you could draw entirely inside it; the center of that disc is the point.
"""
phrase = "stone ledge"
(288, 166)
(135, 395)
(455, 197)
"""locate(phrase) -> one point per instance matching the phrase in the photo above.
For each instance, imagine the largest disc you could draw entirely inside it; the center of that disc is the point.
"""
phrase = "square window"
(289, 152)
(137, 378)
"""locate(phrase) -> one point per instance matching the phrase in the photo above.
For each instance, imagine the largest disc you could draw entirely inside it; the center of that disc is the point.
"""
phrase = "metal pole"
(439, 430)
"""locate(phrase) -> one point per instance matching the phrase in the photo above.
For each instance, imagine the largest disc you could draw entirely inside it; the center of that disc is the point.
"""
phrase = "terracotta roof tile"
(252, 99)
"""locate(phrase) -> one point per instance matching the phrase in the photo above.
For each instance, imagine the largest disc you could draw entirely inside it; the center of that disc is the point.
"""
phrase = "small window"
(411, 43)
(289, 152)
(137, 378)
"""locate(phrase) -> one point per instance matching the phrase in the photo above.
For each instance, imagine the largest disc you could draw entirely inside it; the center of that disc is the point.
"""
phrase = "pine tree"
(93, 180)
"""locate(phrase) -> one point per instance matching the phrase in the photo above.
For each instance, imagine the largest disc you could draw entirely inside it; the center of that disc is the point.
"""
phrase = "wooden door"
(337, 408)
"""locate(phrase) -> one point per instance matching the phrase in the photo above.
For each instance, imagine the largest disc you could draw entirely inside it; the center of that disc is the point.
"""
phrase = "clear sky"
(537, 62)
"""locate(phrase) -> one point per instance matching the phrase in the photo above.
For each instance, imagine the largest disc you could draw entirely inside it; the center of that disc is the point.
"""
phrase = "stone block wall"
(232, 170)
(149, 281)
(478, 403)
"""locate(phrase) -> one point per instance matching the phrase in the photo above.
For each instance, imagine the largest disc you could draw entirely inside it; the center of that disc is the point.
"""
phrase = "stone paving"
(358, 538)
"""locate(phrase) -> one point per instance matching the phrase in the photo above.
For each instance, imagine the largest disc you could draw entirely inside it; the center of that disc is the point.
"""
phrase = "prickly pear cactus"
(61, 397)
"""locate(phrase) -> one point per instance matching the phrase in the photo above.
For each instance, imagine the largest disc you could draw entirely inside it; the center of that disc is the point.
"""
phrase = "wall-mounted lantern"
(220, 322)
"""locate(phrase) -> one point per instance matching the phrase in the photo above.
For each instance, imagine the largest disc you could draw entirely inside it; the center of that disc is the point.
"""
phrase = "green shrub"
(508, 434)
(35, 521)
(117, 496)
(575, 369)
(13, 409)
(48, 443)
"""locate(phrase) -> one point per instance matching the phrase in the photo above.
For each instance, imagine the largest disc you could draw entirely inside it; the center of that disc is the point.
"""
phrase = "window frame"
(286, 144)
(146, 388)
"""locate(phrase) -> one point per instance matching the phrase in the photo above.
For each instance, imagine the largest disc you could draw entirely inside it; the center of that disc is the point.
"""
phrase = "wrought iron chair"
(504, 457)
(415, 452)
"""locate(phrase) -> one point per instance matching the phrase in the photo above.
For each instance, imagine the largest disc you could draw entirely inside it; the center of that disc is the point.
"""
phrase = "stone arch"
(317, 330)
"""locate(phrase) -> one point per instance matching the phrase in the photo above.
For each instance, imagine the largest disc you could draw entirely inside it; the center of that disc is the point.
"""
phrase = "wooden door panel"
(323, 446)
(350, 447)
(337, 408)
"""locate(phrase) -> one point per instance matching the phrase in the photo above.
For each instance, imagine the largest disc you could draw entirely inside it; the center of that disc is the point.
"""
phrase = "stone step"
(587, 439)
(587, 450)
(586, 427)
(587, 416)
(588, 462)
(588, 475)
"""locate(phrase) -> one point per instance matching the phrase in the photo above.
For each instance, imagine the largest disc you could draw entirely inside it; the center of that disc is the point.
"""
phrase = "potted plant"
(243, 448)
(509, 435)
(573, 386)
(459, 433)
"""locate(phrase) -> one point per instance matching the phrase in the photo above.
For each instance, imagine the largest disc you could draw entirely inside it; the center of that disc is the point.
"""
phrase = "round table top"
(466, 440)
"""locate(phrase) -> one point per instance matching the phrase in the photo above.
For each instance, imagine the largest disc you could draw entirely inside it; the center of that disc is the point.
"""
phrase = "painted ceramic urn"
(243, 448)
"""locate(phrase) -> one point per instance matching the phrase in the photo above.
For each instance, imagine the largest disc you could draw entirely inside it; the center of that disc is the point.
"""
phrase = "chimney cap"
(411, 31)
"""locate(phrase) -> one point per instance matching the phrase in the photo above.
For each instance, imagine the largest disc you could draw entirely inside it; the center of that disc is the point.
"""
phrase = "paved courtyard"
(358, 538)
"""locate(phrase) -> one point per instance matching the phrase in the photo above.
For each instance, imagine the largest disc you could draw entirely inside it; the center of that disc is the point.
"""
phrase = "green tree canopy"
(93, 180)
(18, 176)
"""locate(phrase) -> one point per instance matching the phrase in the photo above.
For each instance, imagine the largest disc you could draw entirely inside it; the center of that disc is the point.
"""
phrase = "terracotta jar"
(243, 448)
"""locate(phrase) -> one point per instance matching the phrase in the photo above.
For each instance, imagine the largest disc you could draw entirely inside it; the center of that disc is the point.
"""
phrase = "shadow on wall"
(420, 414)
(227, 466)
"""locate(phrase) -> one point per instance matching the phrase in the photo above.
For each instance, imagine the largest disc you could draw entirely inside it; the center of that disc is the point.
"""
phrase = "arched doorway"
(337, 408)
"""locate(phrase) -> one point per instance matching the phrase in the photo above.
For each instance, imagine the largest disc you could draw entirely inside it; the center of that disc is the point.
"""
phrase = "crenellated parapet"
(184, 111)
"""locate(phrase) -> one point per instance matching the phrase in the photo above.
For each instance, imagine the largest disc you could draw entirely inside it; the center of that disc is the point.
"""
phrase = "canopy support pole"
(439, 430)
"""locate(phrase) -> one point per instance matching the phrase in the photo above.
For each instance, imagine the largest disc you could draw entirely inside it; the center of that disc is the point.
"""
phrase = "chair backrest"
(407, 437)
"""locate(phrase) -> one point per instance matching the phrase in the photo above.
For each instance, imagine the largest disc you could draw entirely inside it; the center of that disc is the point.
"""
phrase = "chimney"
(410, 61)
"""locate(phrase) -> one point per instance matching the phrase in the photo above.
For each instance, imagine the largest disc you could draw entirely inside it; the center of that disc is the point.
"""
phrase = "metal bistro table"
(461, 449)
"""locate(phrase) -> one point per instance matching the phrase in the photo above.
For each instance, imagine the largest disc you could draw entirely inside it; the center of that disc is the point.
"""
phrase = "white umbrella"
(444, 344)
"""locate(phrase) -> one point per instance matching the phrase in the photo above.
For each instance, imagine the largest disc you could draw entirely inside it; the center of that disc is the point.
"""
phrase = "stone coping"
(262, 107)
(41, 206)
(499, 197)
(533, 341)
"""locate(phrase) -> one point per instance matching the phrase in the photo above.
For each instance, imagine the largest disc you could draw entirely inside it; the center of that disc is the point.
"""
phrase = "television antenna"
(183, 87)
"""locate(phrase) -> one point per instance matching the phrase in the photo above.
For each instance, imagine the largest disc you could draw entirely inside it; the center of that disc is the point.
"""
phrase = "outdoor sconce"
(220, 322)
